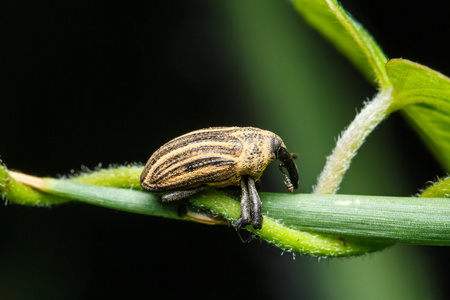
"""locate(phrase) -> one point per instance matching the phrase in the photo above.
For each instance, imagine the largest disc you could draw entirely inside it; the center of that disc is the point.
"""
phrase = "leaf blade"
(424, 96)
(348, 36)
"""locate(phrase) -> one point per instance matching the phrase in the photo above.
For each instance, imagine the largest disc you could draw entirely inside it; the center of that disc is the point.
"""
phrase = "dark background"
(98, 82)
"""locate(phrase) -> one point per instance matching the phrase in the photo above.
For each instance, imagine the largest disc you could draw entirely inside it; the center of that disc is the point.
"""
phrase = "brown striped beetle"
(219, 157)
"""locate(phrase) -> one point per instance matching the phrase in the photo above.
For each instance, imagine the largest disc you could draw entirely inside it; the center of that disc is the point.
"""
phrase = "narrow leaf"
(112, 197)
(273, 231)
(348, 36)
(395, 219)
(354, 218)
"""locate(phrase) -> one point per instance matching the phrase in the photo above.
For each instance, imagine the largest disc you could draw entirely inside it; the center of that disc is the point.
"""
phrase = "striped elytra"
(192, 159)
(217, 157)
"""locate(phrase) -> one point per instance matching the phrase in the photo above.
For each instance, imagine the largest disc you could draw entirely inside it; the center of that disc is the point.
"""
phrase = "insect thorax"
(257, 151)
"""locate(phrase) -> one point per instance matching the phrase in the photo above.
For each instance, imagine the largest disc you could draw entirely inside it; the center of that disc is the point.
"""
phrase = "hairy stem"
(350, 141)
(337, 225)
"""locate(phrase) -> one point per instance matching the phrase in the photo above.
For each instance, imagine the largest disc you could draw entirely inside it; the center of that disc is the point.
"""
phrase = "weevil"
(219, 157)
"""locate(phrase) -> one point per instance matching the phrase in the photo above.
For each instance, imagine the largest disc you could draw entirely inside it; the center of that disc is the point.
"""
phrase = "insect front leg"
(255, 204)
(287, 181)
(245, 218)
(178, 195)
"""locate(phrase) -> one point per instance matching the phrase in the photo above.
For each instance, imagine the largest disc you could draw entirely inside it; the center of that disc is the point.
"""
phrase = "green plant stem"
(118, 176)
(351, 140)
(349, 225)
(286, 237)
(128, 200)
(388, 219)
(336, 225)
(407, 220)
(19, 193)
(392, 219)
(440, 189)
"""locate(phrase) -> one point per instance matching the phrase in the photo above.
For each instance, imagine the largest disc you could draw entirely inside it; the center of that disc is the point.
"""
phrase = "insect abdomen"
(207, 156)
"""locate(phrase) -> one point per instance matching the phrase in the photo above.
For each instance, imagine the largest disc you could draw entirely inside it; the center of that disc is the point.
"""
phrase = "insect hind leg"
(256, 206)
(251, 211)
(178, 195)
(245, 218)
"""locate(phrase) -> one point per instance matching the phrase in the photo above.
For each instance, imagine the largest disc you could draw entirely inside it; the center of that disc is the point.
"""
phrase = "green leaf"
(409, 220)
(138, 201)
(286, 237)
(128, 200)
(351, 224)
(424, 96)
(348, 35)
(336, 225)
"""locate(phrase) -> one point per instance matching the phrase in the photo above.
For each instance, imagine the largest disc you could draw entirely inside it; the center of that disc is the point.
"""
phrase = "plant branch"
(18, 192)
(336, 225)
(288, 238)
(351, 140)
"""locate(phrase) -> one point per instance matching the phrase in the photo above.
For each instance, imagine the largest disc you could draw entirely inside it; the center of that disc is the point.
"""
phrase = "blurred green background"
(100, 82)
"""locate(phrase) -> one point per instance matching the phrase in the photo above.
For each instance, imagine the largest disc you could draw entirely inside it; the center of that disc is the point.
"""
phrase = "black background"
(90, 82)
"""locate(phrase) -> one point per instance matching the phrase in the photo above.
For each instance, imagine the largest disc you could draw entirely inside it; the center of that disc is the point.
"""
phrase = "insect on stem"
(219, 157)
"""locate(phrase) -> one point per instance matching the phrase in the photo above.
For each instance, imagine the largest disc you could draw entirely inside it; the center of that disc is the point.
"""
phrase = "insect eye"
(276, 147)
(277, 153)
